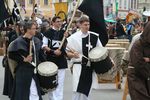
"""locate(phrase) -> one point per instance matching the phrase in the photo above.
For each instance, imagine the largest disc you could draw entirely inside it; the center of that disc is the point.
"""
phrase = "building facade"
(125, 6)
(45, 7)
(119, 8)
(112, 8)
(142, 4)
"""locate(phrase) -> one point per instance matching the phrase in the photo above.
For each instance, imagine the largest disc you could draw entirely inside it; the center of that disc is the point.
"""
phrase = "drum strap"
(49, 43)
(34, 52)
(35, 70)
(34, 62)
(89, 47)
(89, 43)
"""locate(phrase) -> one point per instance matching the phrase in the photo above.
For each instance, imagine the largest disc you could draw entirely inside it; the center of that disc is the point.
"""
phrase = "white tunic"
(75, 42)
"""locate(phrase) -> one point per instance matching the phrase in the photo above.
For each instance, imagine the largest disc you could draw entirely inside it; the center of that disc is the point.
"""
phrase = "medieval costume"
(26, 85)
(82, 72)
(52, 39)
(139, 68)
(130, 29)
(120, 33)
(8, 79)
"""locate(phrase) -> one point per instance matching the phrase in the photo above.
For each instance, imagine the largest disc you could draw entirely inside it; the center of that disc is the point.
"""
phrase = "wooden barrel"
(123, 44)
(112, 45)
(118, 40)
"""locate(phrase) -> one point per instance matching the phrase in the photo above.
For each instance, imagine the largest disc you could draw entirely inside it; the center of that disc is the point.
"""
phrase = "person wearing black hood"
(8, 79)
(24, 52)
(139, 67)
(120, 33)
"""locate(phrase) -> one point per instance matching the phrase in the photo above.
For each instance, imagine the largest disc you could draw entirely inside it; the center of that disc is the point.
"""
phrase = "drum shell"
(48, 83)
(102, 66)
(47, 75)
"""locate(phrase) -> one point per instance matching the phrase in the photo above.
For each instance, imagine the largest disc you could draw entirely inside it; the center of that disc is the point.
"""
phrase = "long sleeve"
(45, 41)
(142, 68)
(42, 56)
(16, 56)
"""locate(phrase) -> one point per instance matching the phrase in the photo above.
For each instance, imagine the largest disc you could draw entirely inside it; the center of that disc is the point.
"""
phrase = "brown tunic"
(139, 86)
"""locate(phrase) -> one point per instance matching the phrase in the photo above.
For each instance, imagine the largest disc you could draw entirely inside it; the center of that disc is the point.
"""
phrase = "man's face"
(22, 29)
(57, 23)
(47, 26)
(33, 30)
(85, 26)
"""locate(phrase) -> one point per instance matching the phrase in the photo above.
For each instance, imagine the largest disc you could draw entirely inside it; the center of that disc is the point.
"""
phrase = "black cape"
(8, 79)
(24, 71)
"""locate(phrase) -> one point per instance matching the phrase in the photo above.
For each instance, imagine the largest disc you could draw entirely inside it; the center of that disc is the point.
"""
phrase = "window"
(30, 1)
(120, 6)
(17, 1)
(135, 4)
(23, 2)
(131, 4)
(45, 2)
(125, 4)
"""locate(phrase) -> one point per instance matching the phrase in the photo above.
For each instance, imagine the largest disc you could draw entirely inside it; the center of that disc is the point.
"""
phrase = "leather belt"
(77, 63)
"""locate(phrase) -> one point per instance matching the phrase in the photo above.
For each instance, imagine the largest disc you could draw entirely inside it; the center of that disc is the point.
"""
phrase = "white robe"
(75, 42)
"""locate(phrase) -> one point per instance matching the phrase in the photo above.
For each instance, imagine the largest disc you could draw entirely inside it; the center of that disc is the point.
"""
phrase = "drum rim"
(48, 90)
(47, 74)
(110, 75)
(101, 58)
(51, 74)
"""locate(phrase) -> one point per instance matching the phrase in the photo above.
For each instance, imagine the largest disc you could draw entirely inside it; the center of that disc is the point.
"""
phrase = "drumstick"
(69, 25)
(73, 51)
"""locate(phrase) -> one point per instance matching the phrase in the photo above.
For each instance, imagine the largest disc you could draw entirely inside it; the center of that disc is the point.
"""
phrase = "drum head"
(47, 68)
(99, 53)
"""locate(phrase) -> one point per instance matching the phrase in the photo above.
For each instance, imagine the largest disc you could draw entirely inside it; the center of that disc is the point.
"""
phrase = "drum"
(47, 74)
(100, 60)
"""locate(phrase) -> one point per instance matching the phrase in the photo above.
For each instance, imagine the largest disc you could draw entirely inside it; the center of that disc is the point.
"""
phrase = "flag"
(5, 24)
(16, 13)
(3, 12)
(35, 9)
(61, 9)
(94, 9)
